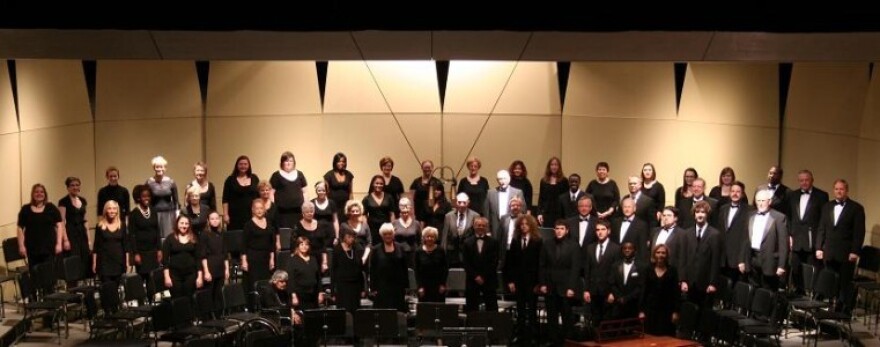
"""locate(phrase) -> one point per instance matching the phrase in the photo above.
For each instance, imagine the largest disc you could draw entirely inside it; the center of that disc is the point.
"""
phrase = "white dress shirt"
(624, 227)
(838, 208)
(805, 198)
(664, 234)
(758, 225)
(627, 267)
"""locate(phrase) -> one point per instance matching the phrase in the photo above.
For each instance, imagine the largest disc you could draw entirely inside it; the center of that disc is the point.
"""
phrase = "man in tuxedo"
(480, 256)
(780, 191)
(627, 283)
(498, 199)
(805, 205)
(840, 238)
(628, 228)
(560, 276)
(598, 267)
(505, 231)
(765, 253)
(669, 234)
(702, 258)
(732, 222)
(456, 228)
(568, 201)
(645, 206)
(698, 187)
(582, 227)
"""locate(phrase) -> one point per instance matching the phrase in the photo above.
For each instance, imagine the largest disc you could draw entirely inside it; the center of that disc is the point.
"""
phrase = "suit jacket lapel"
(770, 221)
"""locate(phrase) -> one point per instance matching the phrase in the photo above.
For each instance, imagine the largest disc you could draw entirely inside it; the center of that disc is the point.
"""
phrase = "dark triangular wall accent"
(563, 69)
(680, 73)
(442, 78)
(13, 81)
(203, 70)
(322, 66)
(785, 70)
(870, 71)
(90, 72)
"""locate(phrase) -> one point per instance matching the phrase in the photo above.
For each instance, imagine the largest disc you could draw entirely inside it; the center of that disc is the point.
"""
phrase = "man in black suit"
(582, 228)
(732, 222)
(805, 205)
(698, 187)
(645, 206)
(457, 227)
(628, 228)
(780, 191)
(498, 199)
(840, 238)
(627, 283)
(598, 267)
(505, 231)
(560, 274)
(480, 255)
(521, 271)
(568, 201)
(669, 234)
(702, 258)
(765, 254)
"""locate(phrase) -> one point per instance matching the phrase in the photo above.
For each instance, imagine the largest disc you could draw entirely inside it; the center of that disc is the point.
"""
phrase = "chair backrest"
(869, 260)
(133, 286)
(233, 240)
(161, 316)
(724, 291)
(233, 297)
(808, 274)
(742, 295)
(204, 304)
(156, 283)
(44, 277)
(284, 235)
(762, 303)
(10, 251)
(282, 260)
(501, 324)
(826, 284)
(456, 280)
(71, 269)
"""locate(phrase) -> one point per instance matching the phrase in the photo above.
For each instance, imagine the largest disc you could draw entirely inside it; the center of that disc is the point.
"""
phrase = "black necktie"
(601, 251)
(699, 234)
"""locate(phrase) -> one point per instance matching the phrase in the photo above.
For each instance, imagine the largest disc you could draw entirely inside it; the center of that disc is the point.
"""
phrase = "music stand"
(324, 322)
(431, 317)
(499, 325)
(376, 323)
(465, 336)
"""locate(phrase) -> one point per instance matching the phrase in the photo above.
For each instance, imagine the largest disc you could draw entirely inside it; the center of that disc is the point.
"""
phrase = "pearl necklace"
(146, 213)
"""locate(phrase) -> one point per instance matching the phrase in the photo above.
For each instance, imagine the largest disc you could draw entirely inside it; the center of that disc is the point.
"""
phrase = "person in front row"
(560, 270)
(601, 257)
(765, 253)
(480, 258)
(660, 301)
(627, 284)
(275, 296)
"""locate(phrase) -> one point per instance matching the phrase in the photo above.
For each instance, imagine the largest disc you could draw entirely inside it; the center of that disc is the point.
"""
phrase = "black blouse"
(475, 192)
(181, 258)
(39, 229)
(605, 195)
(116, 193)
(144, 231)
(525, 185)
(306, 275)
(288, 194)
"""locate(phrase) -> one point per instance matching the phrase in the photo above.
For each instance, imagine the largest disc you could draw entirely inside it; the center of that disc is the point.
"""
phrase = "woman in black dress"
(183, 273)
(347, 272)
(421, 187)
(207, 194)
(393, 184)
(143, 226)
(519, 179)
(319, 233)
(258, 258)
(721, 192)
(110, 259)
(113, 191)
(265, 190)
(288, 183)
(431, 268)
(659, 305)
(653, 188)
(521, 270)
(684, 192)
(339, 181)
(239, 190)
(437, 209)
(165, 198)
(73, 211)
(215, 266)
(406, 230)
(377, 206)
(388, 273)
(195, 211)
(325, 209)
(606, 195)
(40, 229)
(306, 273)
(553, 185)
(354, 223)
(475, 186)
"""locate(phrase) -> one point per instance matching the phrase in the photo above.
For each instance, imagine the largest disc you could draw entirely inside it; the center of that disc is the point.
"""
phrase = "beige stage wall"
(622, 113)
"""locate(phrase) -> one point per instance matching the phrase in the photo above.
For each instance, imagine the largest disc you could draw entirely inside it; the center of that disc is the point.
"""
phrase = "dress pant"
(558, 305)
(845, 270)
(798, 258)
(757, 277)
(476, 294)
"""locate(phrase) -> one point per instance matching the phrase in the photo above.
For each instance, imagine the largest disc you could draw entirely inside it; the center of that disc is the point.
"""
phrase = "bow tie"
(668, 230)
(587, 219)
(627, 220)
(771, 187)
(805, 192)
(481, 237)
(734, 206)
(762, 213)
(628, 262)
(840, 202)
(502, 190)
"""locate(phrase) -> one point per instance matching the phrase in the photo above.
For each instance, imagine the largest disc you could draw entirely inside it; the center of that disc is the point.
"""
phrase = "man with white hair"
(645, 206)
(498, 199)
(765, 254)
(456, 228)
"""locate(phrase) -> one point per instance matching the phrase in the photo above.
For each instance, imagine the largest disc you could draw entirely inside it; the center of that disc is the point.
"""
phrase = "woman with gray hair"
(319, 234)
(431, 268)
(406, 229)
(388, 273)
(165, 196)
(355, 223)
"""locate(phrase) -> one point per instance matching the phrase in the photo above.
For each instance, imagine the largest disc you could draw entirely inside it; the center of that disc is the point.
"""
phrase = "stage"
(647, 341)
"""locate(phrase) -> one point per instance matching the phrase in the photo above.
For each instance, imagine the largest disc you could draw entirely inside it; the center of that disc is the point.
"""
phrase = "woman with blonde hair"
(475, 186)
(195, 210)
(110, 259)
(207, 194)
(431, 268)
(165, 195)
(354, 222)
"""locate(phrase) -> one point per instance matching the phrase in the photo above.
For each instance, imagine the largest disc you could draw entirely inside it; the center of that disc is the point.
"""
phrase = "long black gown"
(288, 198)
(338, 191)
(239, 199)
(388, 277)
(110, 247)
(661, 298)
(75, 226)
(377, 214)
(147, 241)
(347, 276)
(259, 246)
(431, 271)
(548, 201)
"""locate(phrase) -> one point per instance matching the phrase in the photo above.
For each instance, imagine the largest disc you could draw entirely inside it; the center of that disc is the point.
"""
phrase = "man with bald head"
(498, 199)
(628, 228)
(645, 206)
(805, 204)
(456, 228)
(765, 254)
